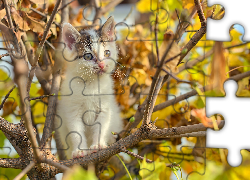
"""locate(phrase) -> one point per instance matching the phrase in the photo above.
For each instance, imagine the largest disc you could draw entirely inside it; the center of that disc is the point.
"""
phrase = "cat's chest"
(84, 95)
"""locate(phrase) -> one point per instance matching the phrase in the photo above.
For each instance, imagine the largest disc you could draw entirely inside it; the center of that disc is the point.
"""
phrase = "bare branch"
(169, 132)
(47, 130)
(136, 156)
(6, 126)
(6, 97)
(194, 92)
(147, 118)
(199, 34)
(102, 10)
(56, 164)
(65, 5)
(40, 97)
(7, 9)
(25, 171)
(46, 31)
(16, 163)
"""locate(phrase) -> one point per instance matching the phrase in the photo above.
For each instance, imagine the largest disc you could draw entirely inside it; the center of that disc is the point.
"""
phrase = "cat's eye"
(87, 56)
(106, 53)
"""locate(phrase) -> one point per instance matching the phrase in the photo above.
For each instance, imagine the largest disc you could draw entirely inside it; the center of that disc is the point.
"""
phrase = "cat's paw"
(78, 153)
(95, 148)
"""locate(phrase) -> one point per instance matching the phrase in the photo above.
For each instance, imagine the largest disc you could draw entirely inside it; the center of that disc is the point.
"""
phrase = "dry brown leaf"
(218, 69)
(9, 107)
(36, 15)
(2, 14)
(123, 98)
(170, 66)
(34, 24)
(26, 4)
(22, 24)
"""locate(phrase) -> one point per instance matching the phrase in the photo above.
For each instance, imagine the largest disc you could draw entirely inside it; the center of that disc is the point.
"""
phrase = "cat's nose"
(101, 64)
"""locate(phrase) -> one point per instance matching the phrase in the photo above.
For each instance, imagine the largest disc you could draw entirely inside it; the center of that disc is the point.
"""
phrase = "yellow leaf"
(144, 6)
(150, 171)
(187, 4)
(137, 75)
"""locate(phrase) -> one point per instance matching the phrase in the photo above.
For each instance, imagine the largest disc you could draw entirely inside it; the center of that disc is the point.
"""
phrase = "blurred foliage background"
(136, 41)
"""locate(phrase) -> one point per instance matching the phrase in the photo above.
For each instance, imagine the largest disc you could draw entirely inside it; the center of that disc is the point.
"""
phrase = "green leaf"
(78, 173)
(132, 119)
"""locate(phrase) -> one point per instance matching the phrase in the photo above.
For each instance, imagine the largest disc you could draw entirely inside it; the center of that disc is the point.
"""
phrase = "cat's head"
(91, 52)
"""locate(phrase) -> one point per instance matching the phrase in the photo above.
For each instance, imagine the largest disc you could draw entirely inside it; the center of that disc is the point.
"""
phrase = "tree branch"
(16, 163)
(194, 92)
(169, 132)
(6, 97)
(25, 171)
(199, 34)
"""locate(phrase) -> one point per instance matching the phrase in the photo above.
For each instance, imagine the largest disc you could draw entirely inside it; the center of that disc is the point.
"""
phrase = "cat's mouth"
(99, 70)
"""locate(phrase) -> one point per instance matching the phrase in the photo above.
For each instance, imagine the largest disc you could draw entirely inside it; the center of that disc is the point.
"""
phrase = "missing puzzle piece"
(235, 111)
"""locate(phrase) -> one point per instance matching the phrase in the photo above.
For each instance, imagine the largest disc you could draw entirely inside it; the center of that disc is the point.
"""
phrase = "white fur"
(89, 113)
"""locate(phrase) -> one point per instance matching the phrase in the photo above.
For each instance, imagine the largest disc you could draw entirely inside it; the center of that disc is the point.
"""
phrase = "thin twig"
(190, 64)
(152, 102)
(156, 40)
(139, 113)
(136, 155)
(6, 97)
(199, 34)
(174, 131)
(65, 5)
(47, 130)
(6, 6)
(102, 10)
(46, 31)
(56, 164)
(194, 92)
(3, 55)
(184, 25)
(130, 12)
(40, 97)
(44, 15)
(25, 171)
(176, 78)
(125, 130)
(148, 100)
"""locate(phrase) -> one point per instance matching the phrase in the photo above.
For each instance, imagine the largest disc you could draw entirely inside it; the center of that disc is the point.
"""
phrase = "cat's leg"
(101, 131)
(75, 137)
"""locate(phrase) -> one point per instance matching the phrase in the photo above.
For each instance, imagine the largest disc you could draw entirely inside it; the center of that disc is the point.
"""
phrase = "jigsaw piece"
(224, 137)
(234, 14)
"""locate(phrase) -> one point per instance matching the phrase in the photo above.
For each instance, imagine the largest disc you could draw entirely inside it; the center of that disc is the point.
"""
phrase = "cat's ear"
(69, 35)
(108, 29)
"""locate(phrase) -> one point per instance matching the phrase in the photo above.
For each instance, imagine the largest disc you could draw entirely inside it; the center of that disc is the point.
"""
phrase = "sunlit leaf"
(151, 170)
(78, 173)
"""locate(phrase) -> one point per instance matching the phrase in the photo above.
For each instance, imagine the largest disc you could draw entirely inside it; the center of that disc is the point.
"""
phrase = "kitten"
(87, 110)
